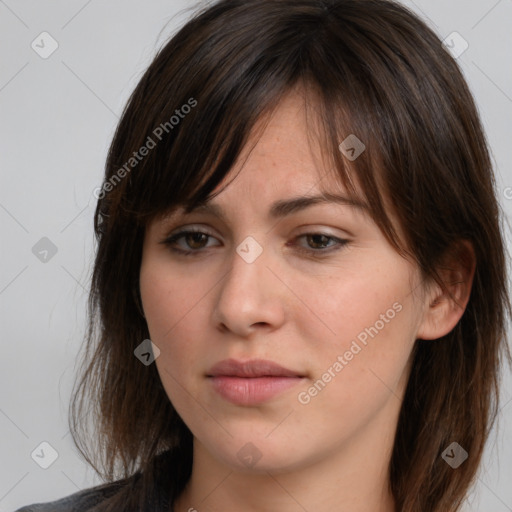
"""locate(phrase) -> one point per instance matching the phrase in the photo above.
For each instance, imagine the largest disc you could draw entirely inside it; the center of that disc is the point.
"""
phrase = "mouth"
(251, 382)
(255, 368)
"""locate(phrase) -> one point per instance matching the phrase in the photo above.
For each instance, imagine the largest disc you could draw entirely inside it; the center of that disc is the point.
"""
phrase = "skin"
(301, 311)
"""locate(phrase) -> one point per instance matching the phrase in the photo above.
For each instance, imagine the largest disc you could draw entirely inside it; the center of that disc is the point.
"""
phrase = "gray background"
(57, 118)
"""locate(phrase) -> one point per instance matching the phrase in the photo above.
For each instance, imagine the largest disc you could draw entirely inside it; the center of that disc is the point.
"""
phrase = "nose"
(250, 296)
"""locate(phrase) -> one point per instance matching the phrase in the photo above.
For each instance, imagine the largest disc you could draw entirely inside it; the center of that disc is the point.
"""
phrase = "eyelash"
(171, 241)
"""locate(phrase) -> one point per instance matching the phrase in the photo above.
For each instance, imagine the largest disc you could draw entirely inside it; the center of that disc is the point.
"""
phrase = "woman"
(299, 297)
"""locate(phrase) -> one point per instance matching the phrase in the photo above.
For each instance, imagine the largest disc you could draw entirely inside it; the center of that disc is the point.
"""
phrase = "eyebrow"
(285, 207)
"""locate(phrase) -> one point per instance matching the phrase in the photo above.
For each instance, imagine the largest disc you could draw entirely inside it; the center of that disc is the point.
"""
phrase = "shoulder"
(146, 491)
(81, 501)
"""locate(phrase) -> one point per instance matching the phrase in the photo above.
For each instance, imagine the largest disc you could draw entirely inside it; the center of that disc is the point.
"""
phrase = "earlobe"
(445, 305)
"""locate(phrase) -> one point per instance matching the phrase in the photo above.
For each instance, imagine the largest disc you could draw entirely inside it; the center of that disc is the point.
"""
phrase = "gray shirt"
(82, 501)
(123, 495)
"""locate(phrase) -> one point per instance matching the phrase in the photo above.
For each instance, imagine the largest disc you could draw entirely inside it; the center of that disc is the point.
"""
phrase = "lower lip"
(251, 391)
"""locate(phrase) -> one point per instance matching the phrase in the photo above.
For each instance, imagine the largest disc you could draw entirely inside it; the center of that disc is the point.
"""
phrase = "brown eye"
(194, 242)
(320, 244)
(316, 240)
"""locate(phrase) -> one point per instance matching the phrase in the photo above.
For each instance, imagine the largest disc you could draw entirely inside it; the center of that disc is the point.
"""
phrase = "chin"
(258, 454)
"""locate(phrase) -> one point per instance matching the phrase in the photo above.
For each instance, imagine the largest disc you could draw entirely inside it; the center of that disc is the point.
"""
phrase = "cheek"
(172, 307)
(166, 315)
(368, 323)
(168, 299)
(366, 366)
(345, 302)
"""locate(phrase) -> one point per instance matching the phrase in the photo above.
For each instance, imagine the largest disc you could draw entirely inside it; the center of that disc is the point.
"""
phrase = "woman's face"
(312, 287)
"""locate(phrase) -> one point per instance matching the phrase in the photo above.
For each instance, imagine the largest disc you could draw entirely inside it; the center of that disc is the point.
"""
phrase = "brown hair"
(370, 68)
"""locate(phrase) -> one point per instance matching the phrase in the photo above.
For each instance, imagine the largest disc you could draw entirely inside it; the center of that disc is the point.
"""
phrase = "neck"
(355, 479)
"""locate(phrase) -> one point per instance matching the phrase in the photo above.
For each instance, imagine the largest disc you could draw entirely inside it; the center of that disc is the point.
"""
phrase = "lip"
(251, 369)
(251, 382)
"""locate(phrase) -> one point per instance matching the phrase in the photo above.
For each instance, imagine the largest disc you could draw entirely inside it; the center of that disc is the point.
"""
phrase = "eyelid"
(179, 217)
(197, 228)
(339, 243)
(308, 230)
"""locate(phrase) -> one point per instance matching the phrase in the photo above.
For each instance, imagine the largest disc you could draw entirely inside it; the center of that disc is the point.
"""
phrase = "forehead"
(284, 149)
(284, 167)
(286, 139)
(280, 170)
(281, 167)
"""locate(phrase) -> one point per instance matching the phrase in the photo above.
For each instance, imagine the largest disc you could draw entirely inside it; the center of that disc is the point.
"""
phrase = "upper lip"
(253, 368)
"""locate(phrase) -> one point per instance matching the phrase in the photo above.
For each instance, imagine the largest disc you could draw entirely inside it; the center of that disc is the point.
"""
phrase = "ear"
(444, 306)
